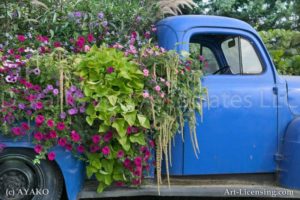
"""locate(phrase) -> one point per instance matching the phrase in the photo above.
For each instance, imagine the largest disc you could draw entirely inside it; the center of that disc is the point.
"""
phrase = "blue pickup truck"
(249, 138)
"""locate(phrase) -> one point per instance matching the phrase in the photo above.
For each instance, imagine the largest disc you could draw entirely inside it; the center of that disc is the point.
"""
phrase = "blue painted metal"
(232, 140)
(71, 168)
(289, 161)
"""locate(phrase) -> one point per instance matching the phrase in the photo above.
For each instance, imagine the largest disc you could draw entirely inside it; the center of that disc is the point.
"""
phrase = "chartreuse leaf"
(112, 99)
(125, 143)
(138, 138)
(119, 125)
(130, 117)
(144, 121)
(101, 187)
(90, 170)
(90, 120)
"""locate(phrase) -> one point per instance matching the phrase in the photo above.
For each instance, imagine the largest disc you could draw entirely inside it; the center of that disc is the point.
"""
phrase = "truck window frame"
(263, 54)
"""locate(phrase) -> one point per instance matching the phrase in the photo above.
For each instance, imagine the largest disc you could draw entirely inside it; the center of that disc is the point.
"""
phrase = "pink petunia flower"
(39, 120)
(51, 155)
(38, 136)
(110, 70)
(39, 105)
(90, 38)
(96, 139)
(60, 126)
(138, 161)
(75, 136)
(16, 130)
(105, 150)
(157, 88)
(38, 148)
(50, 123)
(108, 136)
(52, 134)
(145, 94)
(25, 126)
(62, 142)
(146, 72)
(21, 38)
(80, 149)
(120, 154)
(127, 163)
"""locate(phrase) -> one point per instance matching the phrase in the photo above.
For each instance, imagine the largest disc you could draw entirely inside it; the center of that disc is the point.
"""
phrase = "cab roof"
(186, 22)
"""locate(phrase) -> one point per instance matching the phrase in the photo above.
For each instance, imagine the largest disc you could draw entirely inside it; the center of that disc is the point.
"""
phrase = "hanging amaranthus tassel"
(61, 85)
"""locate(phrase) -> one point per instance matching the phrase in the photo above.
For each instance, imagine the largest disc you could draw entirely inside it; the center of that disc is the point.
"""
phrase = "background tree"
(262, 14)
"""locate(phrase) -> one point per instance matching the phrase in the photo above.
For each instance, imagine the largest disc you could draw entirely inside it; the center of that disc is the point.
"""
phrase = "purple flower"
(21, 106)
(63, 115)
(73, 88)
(77, 14)
(104, 24)
(49, 87)
(55, 92)
(73, 111)
(100, 15)
(110, 70)
(82, 109)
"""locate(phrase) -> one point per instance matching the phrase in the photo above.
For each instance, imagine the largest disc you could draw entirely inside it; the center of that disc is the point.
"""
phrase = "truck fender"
(71, 168)
(289, 161)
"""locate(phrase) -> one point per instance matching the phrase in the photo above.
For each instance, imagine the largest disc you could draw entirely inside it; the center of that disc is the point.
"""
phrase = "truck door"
(239, 129)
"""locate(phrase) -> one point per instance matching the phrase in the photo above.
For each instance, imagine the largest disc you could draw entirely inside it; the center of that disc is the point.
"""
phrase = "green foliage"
(115, 84)
(68, 19)
(262, 14)
(284, 47)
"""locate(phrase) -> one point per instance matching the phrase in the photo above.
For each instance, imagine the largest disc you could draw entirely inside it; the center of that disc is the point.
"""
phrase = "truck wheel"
(20, 179)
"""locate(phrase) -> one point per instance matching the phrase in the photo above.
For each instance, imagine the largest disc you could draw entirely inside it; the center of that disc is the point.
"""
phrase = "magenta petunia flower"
(96, 139)
(105, 150)
(39, 120)
(80, 149)
(138, 161)
(108, 136)
(75, 136)
(50, 123)
(38, 136)
(39, 105)
(119, 183)
(110, 70)
(127, 163)
(21, 38)
(56, 44)
(52, 134)
(16, 130)
(38, 148)
(62, 142)
(94, 148)
(129, 130)
(68, 147)
(120, 154)
(60, 126)
(25, 126)
(90, 38)
(138, 171)
(51, 155)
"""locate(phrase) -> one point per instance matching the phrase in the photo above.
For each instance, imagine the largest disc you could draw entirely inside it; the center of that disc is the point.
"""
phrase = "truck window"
(210, 64)
(241, 56)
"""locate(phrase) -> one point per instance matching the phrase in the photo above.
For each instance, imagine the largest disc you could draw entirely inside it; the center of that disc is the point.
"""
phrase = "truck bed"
(242, 185)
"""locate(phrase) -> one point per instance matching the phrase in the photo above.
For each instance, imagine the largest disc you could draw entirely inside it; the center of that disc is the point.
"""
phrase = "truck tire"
(20, 179)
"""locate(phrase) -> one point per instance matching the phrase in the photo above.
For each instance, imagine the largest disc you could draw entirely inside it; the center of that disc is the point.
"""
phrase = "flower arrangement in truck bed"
(109, 105)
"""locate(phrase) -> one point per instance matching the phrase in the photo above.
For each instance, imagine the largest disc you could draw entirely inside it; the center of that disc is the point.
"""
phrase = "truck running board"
(253, 185)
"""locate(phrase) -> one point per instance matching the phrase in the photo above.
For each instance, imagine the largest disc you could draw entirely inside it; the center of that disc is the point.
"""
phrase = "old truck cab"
(249, 137)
